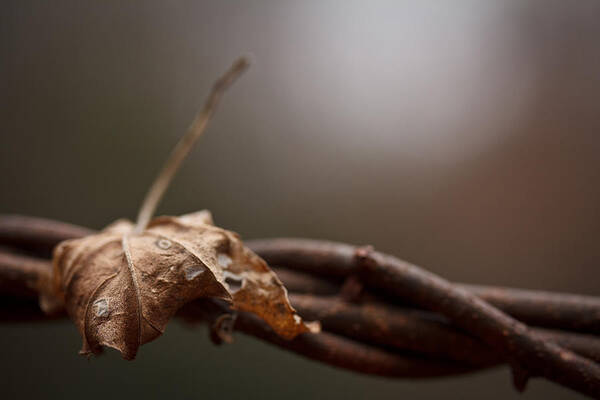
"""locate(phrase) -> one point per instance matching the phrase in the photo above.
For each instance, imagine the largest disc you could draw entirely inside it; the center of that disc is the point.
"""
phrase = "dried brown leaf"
(121, 288)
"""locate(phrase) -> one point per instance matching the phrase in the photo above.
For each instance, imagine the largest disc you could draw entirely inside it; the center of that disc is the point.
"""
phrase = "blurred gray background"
(461, 136)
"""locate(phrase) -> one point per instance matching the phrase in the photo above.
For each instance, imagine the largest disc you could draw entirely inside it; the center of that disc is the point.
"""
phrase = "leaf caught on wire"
(121, 289)
(122, 285)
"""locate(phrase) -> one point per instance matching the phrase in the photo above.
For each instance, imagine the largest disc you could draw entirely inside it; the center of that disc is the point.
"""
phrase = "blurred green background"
(461, 136)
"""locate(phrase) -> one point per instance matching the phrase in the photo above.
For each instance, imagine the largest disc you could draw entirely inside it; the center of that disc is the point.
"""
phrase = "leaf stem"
(185, 144)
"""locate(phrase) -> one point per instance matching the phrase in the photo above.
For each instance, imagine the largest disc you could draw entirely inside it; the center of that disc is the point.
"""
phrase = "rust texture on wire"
(380, 315)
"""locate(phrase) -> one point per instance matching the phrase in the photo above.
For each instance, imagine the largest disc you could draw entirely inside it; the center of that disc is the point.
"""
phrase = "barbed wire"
(380, 315)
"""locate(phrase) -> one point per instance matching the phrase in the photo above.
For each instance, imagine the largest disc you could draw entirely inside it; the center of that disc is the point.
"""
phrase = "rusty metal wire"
(380, 315)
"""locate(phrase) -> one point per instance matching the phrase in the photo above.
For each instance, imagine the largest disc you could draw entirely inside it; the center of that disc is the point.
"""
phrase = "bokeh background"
(462, 136)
